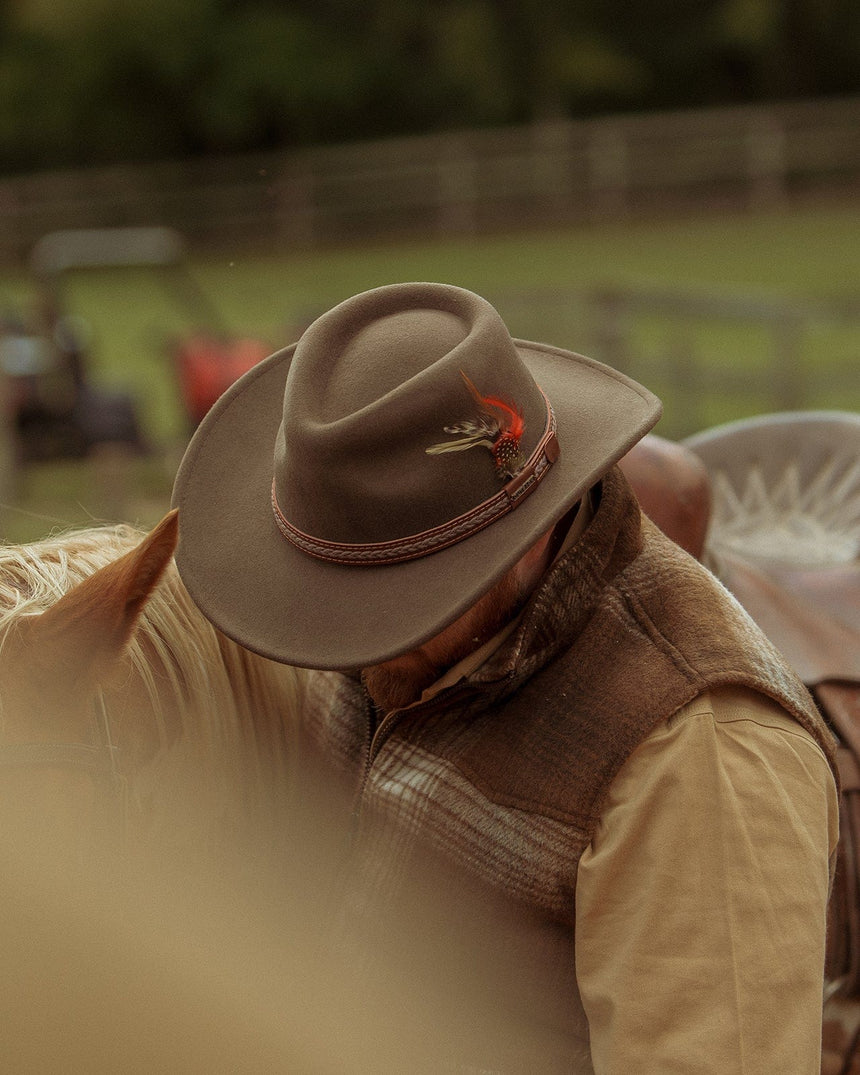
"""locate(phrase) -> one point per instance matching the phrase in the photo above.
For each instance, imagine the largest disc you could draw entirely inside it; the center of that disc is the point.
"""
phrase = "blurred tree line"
(97, 81)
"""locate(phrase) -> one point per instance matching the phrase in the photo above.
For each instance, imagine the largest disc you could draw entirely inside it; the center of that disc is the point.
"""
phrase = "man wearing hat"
(522, 678)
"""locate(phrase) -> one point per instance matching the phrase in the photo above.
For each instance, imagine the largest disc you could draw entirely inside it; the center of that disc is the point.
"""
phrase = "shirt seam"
(801, 734)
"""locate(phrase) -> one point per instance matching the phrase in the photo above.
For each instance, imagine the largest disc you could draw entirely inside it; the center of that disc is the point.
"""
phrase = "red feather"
(513, 423)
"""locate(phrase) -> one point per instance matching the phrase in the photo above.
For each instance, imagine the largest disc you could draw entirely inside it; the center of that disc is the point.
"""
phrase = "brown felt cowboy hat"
(355, 493)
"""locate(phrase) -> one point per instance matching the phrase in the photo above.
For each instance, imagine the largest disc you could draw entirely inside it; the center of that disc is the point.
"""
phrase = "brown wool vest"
(624, 632)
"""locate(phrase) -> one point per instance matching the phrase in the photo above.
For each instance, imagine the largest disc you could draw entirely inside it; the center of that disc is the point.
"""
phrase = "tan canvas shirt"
(640, 778)
(736, 798)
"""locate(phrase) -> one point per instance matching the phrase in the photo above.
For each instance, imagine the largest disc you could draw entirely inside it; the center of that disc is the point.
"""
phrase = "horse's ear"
(140, 571)
(82, 633)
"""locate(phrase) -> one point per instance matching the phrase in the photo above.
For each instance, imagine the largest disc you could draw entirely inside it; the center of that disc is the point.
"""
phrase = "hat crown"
(384, 354)
(373, 384)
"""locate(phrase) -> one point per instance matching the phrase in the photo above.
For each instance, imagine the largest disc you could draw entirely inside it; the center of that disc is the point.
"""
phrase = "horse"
(138, 748)
(162, 895)
(116, 692)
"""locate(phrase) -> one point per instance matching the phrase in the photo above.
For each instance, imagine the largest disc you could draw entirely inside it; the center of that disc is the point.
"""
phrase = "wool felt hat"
(355, 493)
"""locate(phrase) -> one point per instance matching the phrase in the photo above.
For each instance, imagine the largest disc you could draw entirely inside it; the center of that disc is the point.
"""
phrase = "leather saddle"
(772, 506)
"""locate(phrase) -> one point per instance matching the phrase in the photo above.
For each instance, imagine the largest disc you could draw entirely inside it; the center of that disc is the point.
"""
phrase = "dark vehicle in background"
(53, 409)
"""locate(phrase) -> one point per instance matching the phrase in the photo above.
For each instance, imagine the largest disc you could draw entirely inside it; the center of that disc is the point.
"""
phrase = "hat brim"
(274, 599)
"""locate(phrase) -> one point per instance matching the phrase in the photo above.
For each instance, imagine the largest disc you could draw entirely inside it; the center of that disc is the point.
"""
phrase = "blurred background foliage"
(99, 81)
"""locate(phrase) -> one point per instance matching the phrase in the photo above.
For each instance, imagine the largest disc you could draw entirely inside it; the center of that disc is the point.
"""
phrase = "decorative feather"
(510, 420)
(482, 431)
(498, 427)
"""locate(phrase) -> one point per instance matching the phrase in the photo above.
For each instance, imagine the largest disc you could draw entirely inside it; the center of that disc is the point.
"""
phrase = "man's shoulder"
(736, 737)
(742, 711)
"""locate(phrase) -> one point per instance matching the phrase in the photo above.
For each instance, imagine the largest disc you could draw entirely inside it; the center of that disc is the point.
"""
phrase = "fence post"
(609, 316)
(9, 469)
(551, 178)
(295, 205)
(789, 380)
(766, 161)
(456, 187)
(13, 248)
(608, 170)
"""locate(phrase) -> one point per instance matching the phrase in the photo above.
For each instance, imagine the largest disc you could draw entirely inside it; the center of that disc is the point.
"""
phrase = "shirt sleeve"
(701, 902)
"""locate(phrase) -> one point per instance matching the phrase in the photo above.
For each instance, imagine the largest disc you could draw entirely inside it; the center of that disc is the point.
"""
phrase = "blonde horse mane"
(222, 717)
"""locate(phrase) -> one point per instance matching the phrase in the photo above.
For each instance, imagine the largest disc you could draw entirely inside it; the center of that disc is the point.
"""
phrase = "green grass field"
(537, 280)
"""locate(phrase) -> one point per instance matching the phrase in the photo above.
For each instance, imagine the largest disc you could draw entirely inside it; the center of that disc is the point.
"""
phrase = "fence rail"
(771, 364)
(711, 356)
(458, 183)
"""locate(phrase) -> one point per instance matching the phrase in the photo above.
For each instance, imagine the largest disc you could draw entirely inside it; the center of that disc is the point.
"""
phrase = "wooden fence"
(710, 356)
(457, 183)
